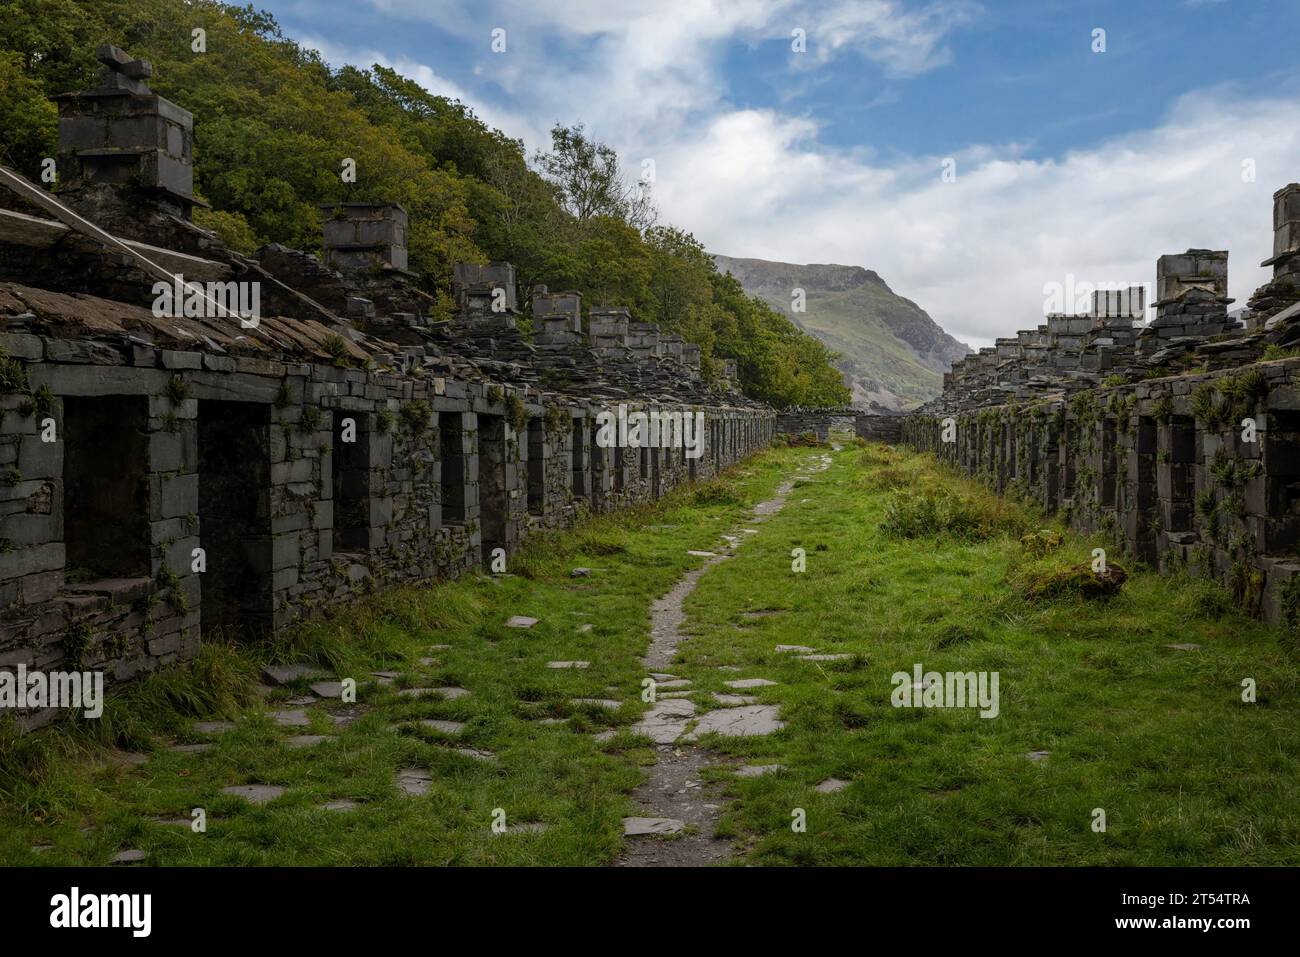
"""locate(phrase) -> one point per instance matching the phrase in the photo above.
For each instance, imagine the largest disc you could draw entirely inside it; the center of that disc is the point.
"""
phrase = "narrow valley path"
(676, 802)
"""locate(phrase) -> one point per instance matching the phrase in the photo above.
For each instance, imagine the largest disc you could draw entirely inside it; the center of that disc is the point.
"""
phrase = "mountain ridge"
(893, 354)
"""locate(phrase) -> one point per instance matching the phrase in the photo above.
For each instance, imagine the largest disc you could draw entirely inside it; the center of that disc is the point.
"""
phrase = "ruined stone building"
(334, 442)
(1179, 438)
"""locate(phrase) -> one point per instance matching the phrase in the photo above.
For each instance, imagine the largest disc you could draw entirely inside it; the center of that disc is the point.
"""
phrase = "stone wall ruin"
(1178, 439)
(173, 434)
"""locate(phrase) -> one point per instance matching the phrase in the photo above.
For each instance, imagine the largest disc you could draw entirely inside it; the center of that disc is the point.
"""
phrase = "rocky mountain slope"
(893, 353)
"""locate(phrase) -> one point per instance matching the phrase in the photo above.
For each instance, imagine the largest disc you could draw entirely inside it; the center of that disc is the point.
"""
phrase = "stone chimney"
(1192, 294)
(1286, 232)
(608, 328)
(643, 339)
(557, 318)
(559, 305)
(124, 151)
(1119, 304)
(485, 295)
(365, 236)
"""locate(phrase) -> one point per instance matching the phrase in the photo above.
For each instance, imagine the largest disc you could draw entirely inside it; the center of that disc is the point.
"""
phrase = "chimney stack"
(124, 151)
(362, 236)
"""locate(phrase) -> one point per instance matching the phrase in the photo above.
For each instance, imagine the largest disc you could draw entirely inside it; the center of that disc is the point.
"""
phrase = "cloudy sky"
(1070, 165)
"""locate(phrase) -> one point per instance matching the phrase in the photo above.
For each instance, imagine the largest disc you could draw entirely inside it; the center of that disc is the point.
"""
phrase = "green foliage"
(516, 413)
(417, 416)
(1056, 579)
(177, 390)
(1042, 542)
(310, 421)
(13, 374)
(384, 421)
(939, 511)
(558, 422)
(76, 642)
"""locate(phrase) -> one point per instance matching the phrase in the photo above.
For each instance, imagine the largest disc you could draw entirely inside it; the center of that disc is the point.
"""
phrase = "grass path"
(66, 800)
(1157, 737)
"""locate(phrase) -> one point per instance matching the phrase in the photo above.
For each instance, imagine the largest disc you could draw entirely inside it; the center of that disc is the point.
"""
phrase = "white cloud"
(976, 253)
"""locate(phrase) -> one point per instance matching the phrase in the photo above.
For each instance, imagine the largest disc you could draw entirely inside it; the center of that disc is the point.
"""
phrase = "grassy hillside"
(891, 351)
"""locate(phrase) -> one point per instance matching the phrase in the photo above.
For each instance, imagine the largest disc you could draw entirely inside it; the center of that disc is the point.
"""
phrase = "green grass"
(1159, 738)
(57, 782)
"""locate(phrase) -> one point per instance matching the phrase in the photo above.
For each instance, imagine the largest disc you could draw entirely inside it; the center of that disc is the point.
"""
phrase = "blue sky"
(1072, 165)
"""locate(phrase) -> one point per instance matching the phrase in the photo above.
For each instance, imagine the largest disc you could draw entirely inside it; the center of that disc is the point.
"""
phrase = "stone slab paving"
(129, 856)
(328, 689)
(608, 703)
(700, 554)
(732, 700)
(823, 657)
(414, 781)
(674, 683)
(442, 727)
(749, 683)
(291, 719)
(800, 648)
(190, 748)
(744, 722)
(448, 694)
(831, 786)
(477, 754)
(254, 793)
(528, 827)
(520, 621)
(640, 826)
(673, 790)
(1037, 755)
(284, 674)
(758, 770)
(568, 664)
(665, 721)
(214, 727)
(341, 805)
